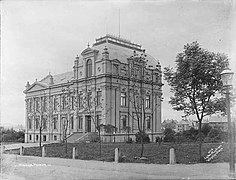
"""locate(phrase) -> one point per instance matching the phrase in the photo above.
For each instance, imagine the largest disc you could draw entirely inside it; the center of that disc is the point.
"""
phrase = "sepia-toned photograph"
(117, 89)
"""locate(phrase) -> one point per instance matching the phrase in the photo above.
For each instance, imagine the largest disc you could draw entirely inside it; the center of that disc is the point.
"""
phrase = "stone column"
(116, 155)
(172, 156)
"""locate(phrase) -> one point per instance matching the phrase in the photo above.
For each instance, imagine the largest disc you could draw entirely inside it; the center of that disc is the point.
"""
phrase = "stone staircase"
(82, 137)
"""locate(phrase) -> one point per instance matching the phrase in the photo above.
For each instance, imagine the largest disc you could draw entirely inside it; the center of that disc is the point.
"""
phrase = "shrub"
(138, 136)
(169, 135)
(129, 140)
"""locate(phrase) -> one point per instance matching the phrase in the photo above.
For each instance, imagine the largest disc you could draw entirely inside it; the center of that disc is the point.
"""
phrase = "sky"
(38, 37)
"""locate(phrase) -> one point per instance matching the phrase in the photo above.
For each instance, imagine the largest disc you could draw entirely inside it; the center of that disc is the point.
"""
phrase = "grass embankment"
(157, 154)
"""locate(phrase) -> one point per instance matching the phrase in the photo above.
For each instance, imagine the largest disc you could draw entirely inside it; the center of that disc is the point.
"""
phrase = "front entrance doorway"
(88, 123)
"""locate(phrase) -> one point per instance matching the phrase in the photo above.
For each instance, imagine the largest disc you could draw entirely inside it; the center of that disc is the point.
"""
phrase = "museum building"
(114, 82)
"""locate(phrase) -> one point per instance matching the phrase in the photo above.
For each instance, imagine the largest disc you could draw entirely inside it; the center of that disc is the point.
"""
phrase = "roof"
(120, 49)
(217, 119)
(58, 78)
(183, 122)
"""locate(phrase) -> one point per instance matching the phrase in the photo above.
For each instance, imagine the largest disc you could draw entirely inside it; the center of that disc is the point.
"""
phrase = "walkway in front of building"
(33, 168)
(18, 145)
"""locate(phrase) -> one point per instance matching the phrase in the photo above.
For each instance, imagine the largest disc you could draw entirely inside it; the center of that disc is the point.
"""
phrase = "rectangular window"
(80, 100)
(123, 99)
(29, 123)
(30, 105)
(99, 97)
(116, 69)
(123, 119)
(37, 137)
(30, 137)
(43, 104)
(44, 123)
(55, 122)
(55, 103)
(147, 101)
(55, 138)
(44, 138)
(37, 123)
(72, 102)
(63, 102)
(98, 119)
(37, 104)
(80, 122)
(89, 99)
(148, 119)
(72, 121)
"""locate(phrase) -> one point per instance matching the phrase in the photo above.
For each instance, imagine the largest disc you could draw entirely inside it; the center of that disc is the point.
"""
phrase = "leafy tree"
(196, 81)
(169, 135)
(206, 128)
(190, 134)
(142, 136)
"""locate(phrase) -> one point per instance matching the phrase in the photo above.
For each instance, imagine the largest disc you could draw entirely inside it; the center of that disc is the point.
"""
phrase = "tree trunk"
(66, 145)
(40, 138)
(142, 146)
(100, 143)
(200, 140)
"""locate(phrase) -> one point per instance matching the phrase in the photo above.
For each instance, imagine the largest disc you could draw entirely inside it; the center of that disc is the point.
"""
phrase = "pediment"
(88, 51)
(35, 87)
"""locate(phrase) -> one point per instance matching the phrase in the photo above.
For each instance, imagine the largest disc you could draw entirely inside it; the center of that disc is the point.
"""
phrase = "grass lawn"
(156, 154)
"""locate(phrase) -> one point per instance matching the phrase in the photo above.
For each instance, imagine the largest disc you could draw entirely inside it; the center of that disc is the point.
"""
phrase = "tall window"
(63, 102)
(30, 105)
(80, 122)
(98, 119)
(44, 123)
(123, 99)
(89, 68)
(147, 101)
(55, 122)
(148, 120)
(55, 103)
(116, 69)
(99, 97)
(44, 104)
(80, 100)
(123, 119)
(29, 123)
(89, 100)
(72, 102)
(37, 123)
(37, 104)
(72, 121)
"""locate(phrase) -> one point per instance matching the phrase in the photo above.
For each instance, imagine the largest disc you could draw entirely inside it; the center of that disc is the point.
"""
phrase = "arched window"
(89, 68)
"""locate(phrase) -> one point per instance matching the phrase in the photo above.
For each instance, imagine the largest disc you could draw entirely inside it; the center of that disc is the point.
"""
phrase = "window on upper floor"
(55, 122)
(89, 99)
(29, 123)
(147, 101)
(80, 122)
(148, 120)
(123, 119)
(55, 103)
(89, 68)
(72, 122)
(99, 97)
(123, 99)
(116, 69)
(44, 123)
(37, 123)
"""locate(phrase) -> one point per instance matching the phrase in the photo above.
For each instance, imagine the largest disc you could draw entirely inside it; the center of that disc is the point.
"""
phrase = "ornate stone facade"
(113, 82)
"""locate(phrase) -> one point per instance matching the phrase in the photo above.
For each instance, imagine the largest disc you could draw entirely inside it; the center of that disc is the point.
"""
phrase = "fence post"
(44, 151)
(172, 156)
(73, 153)
(21, 151)
(116, 155)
